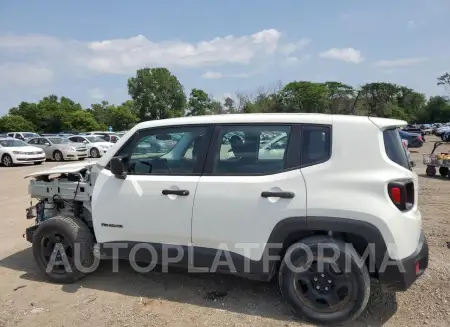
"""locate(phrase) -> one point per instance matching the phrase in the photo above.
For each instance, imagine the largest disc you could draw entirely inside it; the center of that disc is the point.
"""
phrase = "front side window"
(247, 150)
(168, 151)
(33, 141)
(43, 141)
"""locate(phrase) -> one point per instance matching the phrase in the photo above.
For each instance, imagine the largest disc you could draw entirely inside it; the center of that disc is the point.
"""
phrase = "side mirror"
(85, 142)
(118, 168)
(46, 143)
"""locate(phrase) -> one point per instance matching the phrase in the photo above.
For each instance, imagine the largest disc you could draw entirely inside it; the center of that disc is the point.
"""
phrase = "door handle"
(284, 195)
(176, 192)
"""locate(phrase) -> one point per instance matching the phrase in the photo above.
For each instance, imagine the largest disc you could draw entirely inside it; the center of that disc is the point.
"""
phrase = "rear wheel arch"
(359, 233)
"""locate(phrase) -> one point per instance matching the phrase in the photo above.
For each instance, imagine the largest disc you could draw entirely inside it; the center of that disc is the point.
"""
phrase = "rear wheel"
(320, 293)
(443, 171)
(58, 244)
(430, 171)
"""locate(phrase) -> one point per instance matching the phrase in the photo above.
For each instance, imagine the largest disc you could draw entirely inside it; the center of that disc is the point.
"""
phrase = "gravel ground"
(127, 298)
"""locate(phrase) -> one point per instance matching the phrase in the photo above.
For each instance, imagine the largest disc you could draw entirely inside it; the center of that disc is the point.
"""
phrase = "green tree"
(157, 94)
(230, 105)
(121, 118)
(11, 123)
(82, 121)
(199, 103)
(377, 97)
(305, 96)
(340, 97)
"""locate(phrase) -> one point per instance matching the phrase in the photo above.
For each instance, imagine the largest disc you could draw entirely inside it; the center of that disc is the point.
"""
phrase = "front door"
(153, 204)
(245, 193)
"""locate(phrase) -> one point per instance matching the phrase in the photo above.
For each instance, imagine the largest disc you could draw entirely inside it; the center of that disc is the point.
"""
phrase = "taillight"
(420, 137)
(401, 193)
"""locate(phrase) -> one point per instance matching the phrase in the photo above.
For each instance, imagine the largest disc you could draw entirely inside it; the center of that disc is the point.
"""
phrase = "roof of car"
(312, 118)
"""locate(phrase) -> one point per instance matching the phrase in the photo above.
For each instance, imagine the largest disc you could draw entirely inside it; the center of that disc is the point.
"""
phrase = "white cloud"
(23, 74)
(292, 47)
(345, 54)
(212, 75)
(124, 56)
(399, 62)
(96, 94)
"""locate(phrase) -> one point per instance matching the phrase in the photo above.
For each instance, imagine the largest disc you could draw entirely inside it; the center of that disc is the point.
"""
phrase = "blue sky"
(86, 50)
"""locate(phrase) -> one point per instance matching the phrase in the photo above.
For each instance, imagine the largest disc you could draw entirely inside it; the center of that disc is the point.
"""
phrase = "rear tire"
(316, 295)
(443, 171)
(68, 231)
(430, 171)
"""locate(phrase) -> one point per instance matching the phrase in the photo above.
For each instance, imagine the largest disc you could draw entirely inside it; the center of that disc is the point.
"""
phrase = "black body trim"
(399, 275)
(394, 275)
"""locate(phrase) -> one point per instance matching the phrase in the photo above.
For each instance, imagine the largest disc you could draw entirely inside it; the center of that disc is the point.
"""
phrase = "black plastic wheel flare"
(48, 244)
(325, 291)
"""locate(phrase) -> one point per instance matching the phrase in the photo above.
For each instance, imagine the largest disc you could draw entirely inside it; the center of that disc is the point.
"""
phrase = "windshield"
(12, 142)
(94, 139)
(30, 135)
(58, 140)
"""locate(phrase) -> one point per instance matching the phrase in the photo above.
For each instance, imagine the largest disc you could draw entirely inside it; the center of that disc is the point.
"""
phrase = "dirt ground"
(128, 298)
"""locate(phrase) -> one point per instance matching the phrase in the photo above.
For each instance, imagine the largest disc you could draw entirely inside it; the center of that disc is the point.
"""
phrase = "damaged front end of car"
(60, 191)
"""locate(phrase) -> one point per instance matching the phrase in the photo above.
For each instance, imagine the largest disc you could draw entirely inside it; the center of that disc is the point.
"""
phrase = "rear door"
(244, 192)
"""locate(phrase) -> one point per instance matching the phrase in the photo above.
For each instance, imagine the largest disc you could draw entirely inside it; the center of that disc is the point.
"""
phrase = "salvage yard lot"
(128, 298)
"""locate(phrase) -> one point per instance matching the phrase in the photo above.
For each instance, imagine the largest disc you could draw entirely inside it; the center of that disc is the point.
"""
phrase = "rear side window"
(316, 145)
(394, 148)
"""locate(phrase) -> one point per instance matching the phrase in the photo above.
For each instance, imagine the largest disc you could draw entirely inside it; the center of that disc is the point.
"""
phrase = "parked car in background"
(441, 130)
(60, 148)
(107, 136)
(427, 129)
(14, 151)
(415, 140)
(121, 133)
(24, 136)
(96, 146)
(408, 154)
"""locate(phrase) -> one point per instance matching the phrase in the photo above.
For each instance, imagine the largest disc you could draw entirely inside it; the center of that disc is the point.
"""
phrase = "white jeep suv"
(325, 214)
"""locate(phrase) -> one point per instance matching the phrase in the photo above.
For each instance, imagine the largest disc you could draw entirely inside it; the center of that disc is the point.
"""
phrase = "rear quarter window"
(394, 148)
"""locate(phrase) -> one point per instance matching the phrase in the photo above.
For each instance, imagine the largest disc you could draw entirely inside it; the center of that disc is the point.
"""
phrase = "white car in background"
(14, 151)
(96, 145)
(60, 148)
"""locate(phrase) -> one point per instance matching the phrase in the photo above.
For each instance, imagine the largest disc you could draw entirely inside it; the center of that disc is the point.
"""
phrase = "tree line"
(158, 94)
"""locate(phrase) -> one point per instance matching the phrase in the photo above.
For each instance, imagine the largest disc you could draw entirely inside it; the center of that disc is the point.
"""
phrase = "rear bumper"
(399, 275)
